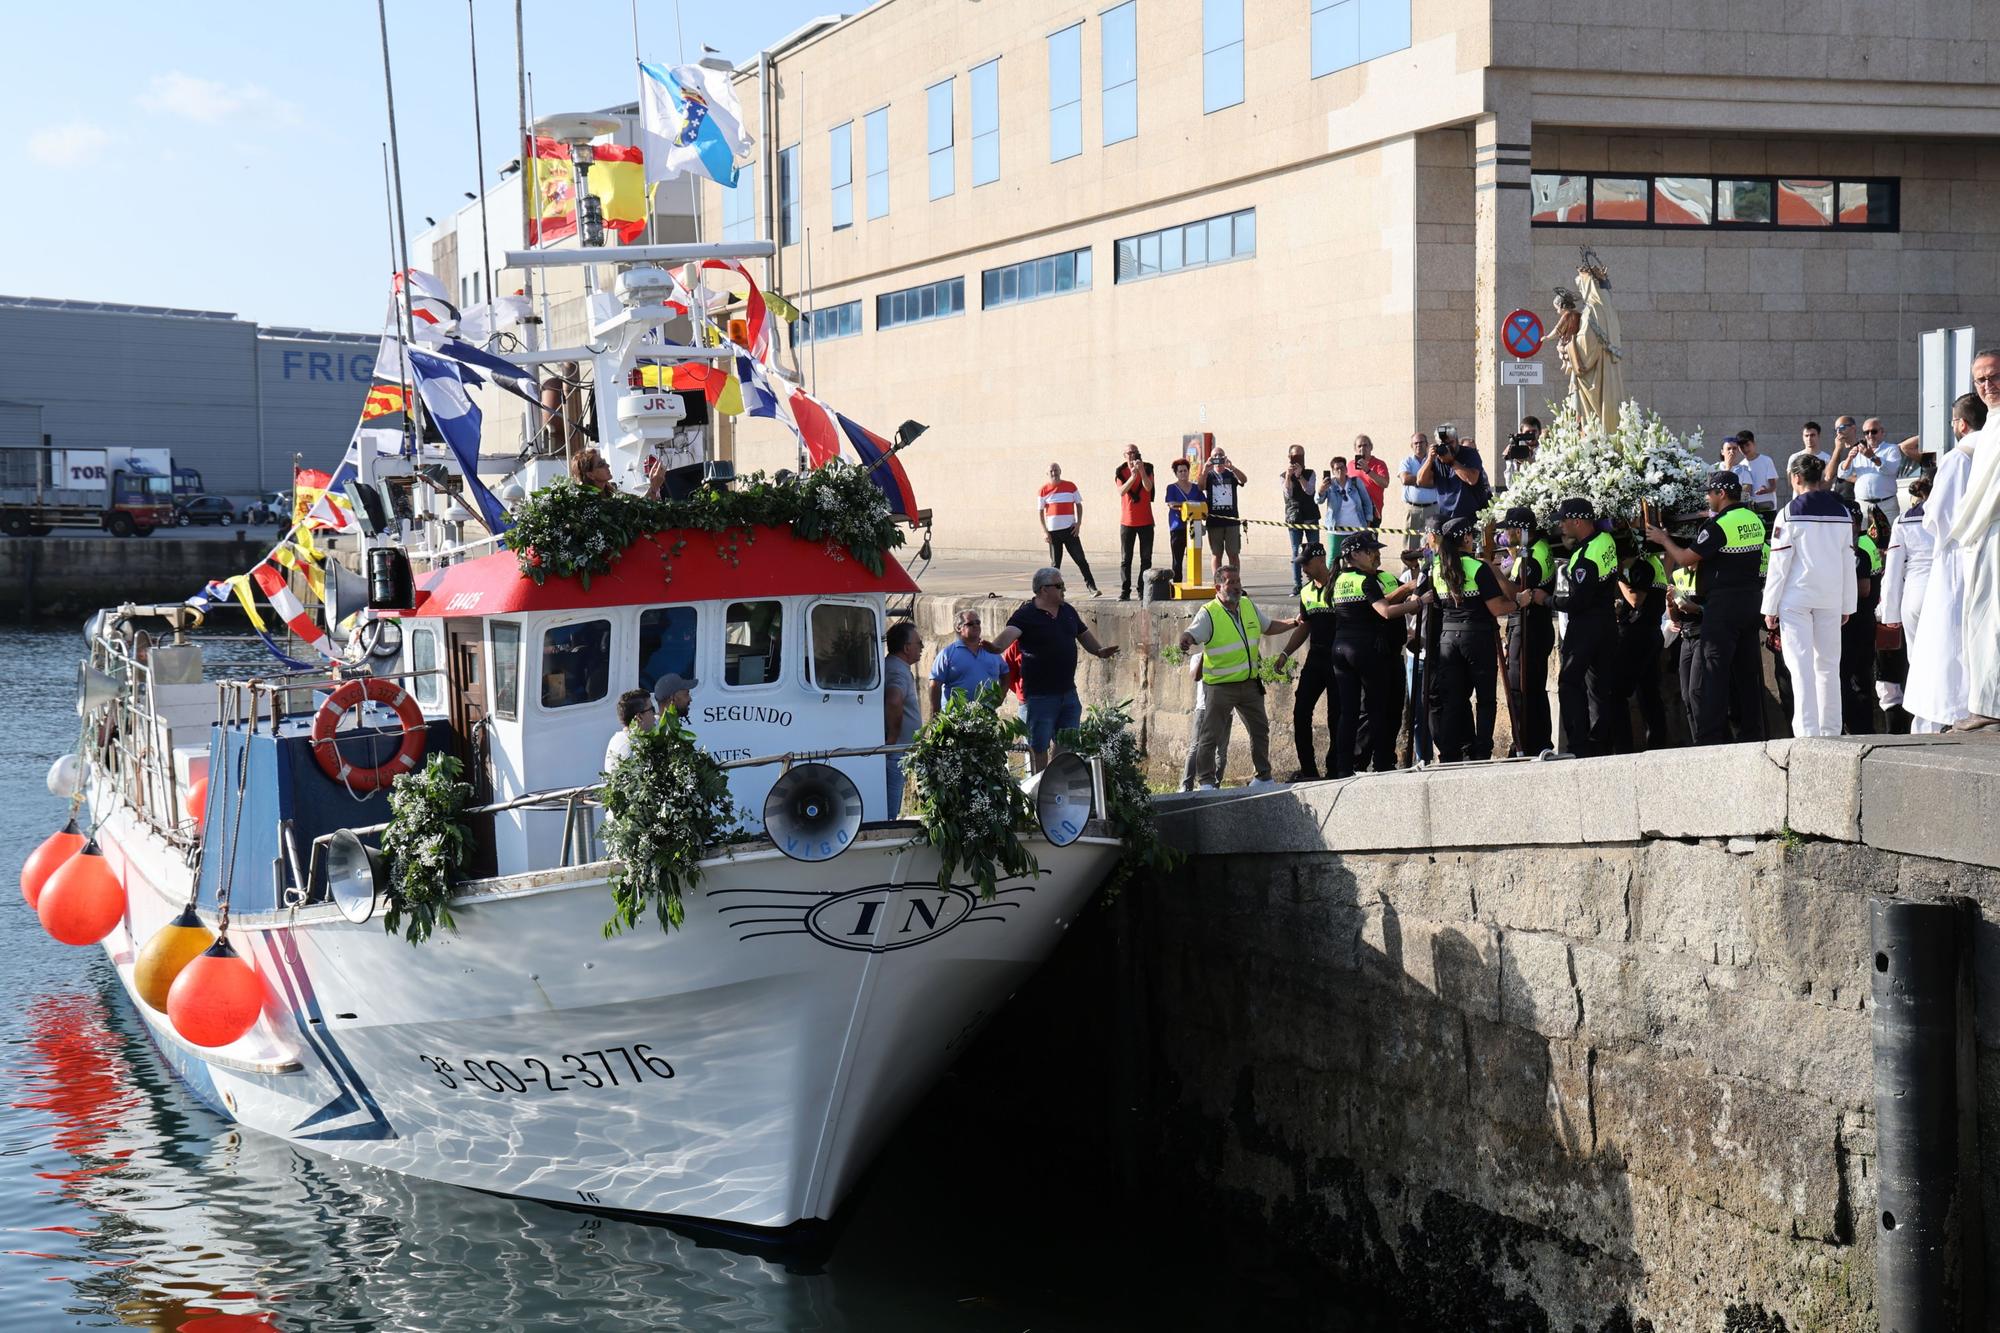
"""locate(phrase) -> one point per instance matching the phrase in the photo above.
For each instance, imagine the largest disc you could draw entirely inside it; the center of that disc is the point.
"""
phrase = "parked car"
(197, 509)
(271, 507)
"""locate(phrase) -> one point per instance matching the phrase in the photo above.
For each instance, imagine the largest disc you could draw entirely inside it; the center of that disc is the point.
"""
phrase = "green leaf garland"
(426, 847)
(668, 802)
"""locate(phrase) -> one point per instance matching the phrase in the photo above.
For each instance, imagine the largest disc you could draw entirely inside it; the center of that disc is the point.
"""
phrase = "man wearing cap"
(1641, 607)
(1345, 616)
(1728, 556)
(675, 694)
(1468, 598)
(1587, 681)
(1531, 629)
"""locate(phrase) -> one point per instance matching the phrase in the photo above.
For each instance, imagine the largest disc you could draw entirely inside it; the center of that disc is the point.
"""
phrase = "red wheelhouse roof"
(768, 562)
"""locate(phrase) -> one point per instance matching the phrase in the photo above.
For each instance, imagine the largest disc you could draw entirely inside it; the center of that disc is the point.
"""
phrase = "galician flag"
(690, 121)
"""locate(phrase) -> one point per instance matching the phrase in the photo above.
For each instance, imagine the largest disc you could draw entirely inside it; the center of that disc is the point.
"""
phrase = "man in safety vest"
(1727, 554)
(1228, 630)
(1587, 682)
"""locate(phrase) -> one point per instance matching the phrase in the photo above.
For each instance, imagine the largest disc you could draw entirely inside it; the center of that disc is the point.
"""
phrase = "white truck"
(126, 492)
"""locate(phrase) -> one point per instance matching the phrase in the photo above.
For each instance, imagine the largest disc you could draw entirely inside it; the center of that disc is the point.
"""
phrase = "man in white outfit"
(1936, 694)
(1975, 536)
(1809, 593)
(1906, 576)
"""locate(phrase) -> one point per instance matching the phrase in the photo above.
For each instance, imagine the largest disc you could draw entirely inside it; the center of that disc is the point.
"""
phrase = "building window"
(788, 196)
(846, 652)
(1119, 67)
(834, 321)
(576, 664)
(840, 168)
(914, 305)
(1196, 245)
(1348, 32)
(986, 123)
(1221, 54)
(1034, 279)
(1607, 199)
(739, 207)
(939, 144)
(876, 126)
(1066, 93)
(753, 642)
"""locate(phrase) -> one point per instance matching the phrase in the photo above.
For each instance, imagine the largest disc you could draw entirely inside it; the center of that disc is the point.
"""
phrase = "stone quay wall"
(1572, 1044)
(74, 576)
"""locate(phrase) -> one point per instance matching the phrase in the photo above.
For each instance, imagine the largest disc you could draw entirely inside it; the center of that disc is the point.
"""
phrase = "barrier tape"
(1318, 527)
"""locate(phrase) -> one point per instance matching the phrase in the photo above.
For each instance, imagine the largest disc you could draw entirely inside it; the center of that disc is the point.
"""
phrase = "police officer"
(1531, 630)
(1587, 681)
(1642, 604)
(1469, 597)
(1316, 674)
(1727, 554)
(1364, 662)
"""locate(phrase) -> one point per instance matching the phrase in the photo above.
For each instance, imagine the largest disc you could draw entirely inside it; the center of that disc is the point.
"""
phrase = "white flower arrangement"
(1641, 461)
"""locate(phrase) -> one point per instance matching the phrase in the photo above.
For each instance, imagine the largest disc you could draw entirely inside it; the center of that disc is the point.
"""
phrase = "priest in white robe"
(1975, 537)
(1935, 694)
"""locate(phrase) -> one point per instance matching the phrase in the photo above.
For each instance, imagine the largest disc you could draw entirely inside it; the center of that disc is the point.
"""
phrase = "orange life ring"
(352, 692)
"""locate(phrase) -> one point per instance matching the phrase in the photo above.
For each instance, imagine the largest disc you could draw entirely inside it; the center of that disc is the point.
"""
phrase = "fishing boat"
(739, 1071)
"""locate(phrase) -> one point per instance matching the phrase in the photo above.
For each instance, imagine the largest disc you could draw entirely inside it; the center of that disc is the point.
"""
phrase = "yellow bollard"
(1191, 588)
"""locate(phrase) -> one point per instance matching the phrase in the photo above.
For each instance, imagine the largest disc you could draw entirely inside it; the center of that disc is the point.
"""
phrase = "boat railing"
(272, 698)
(580, 803)
(133, 742)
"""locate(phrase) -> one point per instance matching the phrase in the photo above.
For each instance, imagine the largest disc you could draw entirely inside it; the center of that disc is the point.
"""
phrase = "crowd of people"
(1857, 603)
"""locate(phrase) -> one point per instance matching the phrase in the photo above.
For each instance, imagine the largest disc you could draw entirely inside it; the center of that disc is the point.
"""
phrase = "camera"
(1520, 447)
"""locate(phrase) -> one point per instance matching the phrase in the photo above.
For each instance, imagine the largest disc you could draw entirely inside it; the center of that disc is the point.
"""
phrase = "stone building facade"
(1827, 174)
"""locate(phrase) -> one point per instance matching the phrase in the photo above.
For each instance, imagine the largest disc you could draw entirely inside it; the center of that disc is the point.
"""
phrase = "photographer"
(1420, 501)
(1454, 468)
(1301, 510)
(1135, 520)
(1344, 501)
(1221, 480)
(1520, 450)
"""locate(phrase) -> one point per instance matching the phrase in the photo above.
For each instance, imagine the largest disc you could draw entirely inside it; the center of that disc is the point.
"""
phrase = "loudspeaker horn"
(1065, 796)
(94, 688)
(354, 876)
(813, 812)
(346, 595)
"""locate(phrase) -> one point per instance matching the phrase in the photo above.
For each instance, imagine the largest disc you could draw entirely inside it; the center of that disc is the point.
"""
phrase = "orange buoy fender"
(216, 998)
(46, 859)
(349, 694)
(83, 901)
(196, 801)
(166, 955)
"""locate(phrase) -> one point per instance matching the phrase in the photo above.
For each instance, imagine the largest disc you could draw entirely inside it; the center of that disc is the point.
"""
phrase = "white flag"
(690, 121)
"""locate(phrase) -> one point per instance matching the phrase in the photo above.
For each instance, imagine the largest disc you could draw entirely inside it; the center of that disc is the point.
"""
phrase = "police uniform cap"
(1357, 541)
(1726, 482)
(1520, 516)
(1314, 551)
(1457, 529)
(1577, 507)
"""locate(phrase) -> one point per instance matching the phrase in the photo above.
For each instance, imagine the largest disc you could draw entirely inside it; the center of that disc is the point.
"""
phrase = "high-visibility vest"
(1226, 657)
(1350, 588)
(1602, 553)
(1742, 531)
(1313, 598)
(1872, 551)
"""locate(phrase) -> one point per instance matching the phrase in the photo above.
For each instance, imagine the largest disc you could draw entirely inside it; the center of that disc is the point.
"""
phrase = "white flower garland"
(1616, 470)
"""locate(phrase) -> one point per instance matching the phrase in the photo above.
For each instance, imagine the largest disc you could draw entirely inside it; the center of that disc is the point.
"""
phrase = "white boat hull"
(741, 1070)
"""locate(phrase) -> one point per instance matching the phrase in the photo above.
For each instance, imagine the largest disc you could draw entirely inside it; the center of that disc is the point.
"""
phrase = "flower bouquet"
(1641, 461)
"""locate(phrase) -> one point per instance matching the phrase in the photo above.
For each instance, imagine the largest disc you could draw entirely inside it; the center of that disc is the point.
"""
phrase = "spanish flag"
(617, 178)
(308, 485)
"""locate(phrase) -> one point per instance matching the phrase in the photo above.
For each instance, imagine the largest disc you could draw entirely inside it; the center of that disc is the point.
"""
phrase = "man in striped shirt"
(1061, 511)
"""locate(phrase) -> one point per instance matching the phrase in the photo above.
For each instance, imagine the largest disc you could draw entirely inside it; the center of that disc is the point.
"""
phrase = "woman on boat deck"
(588, 468)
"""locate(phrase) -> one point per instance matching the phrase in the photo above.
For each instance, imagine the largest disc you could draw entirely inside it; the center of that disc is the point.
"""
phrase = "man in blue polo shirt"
(1454, 468)
(964, 666)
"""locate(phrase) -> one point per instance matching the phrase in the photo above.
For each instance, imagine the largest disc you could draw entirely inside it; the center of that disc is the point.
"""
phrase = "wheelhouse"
(783, 636)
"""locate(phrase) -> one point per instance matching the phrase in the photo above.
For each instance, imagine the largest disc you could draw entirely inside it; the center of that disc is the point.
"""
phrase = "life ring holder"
(350, 693)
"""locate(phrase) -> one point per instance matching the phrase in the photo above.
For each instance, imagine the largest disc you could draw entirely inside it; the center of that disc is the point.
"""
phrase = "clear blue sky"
(227, 156)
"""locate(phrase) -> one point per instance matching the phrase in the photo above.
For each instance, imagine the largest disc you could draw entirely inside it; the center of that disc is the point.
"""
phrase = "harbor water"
(126, 1204)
